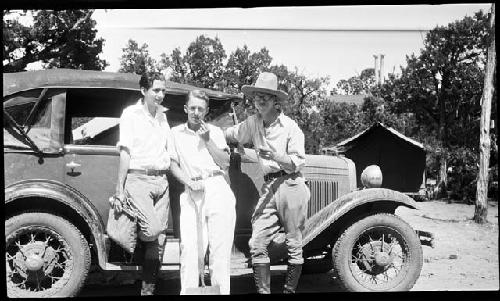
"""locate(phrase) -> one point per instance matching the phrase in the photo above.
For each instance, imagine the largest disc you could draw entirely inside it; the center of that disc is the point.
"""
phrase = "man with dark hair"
(200, 159)
(279, 143)
(144, 132)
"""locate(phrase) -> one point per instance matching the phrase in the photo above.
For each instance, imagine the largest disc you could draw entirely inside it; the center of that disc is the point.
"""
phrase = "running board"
(174, 267)
(116, 267)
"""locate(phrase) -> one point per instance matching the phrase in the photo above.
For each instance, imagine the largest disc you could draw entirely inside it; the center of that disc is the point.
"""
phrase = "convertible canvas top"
(71, 78)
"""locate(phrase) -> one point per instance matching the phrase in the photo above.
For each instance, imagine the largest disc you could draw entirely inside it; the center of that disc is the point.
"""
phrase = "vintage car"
(61, 160)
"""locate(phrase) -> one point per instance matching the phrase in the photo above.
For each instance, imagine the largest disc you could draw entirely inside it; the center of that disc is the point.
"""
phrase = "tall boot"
(150, 269)
(262, 277)
(292, 278)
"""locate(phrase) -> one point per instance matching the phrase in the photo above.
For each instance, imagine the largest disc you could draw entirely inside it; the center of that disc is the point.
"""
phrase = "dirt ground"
(465, 255)
(464, 258)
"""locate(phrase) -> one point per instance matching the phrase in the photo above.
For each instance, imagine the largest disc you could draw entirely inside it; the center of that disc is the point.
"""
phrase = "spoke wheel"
(378, 253)
(46, 256)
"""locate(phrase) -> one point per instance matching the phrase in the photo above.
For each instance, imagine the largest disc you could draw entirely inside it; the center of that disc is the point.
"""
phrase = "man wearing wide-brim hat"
(279, 144)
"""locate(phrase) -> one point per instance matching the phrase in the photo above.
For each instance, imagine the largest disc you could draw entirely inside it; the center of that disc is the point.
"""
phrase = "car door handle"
(73, 165)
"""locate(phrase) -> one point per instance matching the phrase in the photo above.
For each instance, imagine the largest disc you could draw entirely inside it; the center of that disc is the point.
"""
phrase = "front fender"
(320, 221)
(68, 196)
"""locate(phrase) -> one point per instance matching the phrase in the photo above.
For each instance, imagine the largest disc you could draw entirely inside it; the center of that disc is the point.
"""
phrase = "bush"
(462, 176)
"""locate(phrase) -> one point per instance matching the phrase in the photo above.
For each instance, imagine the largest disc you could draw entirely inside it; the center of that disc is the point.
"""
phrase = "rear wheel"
(46, 256)
(378, 253)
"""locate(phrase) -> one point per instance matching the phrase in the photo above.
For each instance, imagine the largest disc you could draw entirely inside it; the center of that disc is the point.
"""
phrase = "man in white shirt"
(279, 143)
(200, 159)
(144, 161)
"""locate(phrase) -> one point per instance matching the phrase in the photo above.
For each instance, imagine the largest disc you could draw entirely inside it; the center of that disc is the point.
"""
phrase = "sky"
(334, 41)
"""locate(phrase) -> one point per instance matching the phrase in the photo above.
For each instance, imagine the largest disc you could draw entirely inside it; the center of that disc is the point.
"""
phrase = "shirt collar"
(280, 119)
(159, 108)
(185, 128)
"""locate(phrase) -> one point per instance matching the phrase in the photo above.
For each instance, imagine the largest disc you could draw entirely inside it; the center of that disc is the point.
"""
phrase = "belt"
(274, 175)
(213, 173)
(149, 172)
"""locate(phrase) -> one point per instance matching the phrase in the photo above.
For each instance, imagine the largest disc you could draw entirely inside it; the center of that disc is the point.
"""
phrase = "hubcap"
(382, 259)
(33, 253)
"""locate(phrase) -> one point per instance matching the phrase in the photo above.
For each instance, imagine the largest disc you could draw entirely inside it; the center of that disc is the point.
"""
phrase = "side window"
(95, 130)
(93, 115)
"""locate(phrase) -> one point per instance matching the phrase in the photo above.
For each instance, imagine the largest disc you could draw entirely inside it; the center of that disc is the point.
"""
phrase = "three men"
(279, 143)
(144, 132)
(200, 159)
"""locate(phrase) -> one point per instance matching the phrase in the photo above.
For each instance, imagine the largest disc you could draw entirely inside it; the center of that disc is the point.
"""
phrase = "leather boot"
(150, 269)
(262, 277)
(292, 278)
(149, 273)
(147, 289)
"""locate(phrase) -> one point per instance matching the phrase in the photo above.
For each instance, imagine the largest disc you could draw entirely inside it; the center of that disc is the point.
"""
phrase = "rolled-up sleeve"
(126, 130)
(295, 149)
(171, 147)
(218, 138)
(240, 133)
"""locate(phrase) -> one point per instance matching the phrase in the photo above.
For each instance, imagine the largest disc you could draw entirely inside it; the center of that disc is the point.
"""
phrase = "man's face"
(264, 102)
(155, 94)
(196, 109)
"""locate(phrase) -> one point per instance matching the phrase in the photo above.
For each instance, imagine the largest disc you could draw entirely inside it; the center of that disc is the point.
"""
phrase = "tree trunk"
(481, 208)
(443, 169)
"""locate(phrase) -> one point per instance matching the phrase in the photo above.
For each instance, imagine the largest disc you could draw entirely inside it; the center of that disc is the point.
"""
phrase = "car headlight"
(371, 177)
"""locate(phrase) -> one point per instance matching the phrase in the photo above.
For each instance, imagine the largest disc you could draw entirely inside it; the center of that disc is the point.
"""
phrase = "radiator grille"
(322, 193)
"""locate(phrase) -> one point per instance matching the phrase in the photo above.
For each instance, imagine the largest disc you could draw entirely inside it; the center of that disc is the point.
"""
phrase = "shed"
(401, 159)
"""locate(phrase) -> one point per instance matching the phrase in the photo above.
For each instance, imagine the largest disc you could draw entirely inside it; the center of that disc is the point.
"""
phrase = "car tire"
(365, 256)
(46, 256)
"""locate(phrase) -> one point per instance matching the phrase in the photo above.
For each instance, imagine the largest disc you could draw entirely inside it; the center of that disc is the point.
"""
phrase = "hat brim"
(250, 90)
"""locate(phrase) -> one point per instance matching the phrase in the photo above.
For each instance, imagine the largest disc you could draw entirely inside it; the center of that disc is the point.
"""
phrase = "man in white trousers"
(200, 159)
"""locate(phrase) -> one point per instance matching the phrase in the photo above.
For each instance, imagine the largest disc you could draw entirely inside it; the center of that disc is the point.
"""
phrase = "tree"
(441, 85)
(57, 39)
(243, 67)
(481, 206)
(136, 59)
(361, 84)
(204, 59)
(176, 62)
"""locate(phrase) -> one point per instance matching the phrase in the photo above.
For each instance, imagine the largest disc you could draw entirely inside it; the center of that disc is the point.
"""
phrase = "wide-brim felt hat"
(267, 82)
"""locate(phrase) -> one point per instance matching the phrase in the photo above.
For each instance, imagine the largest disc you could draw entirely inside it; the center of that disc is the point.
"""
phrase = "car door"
(90, 152)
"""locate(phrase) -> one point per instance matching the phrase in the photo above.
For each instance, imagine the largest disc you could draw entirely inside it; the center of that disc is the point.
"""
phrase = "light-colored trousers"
(218, 213)
(150, 195)
(282, 203)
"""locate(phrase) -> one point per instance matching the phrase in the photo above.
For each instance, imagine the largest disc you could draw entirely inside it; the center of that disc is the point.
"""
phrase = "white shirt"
(145, 136)
(282, 136)
(191, 152)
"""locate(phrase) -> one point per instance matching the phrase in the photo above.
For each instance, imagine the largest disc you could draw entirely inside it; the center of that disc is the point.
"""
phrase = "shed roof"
(388, 129)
